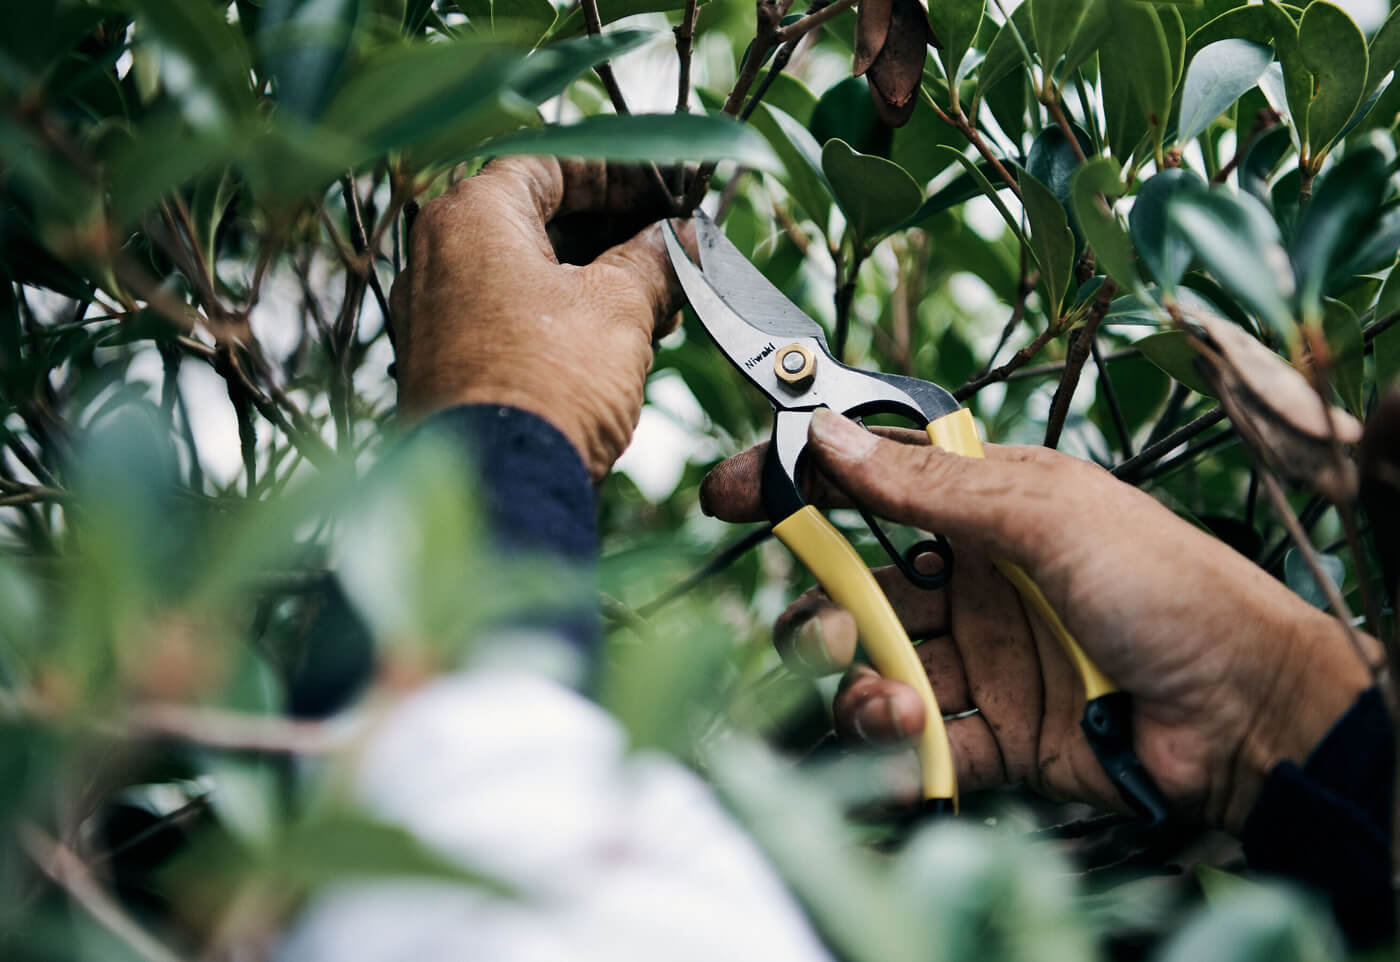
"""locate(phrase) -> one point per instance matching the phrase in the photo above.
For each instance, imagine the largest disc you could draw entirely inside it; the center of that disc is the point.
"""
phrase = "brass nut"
(795, 364)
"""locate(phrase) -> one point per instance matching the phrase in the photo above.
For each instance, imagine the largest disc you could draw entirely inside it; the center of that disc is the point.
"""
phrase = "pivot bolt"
(795, 365)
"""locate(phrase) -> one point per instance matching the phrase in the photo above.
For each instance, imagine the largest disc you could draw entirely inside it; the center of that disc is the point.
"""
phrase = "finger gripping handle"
(849, 583)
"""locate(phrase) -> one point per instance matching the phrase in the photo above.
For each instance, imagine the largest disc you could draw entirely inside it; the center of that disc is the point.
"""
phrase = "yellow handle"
(957, 432)
(849, 583)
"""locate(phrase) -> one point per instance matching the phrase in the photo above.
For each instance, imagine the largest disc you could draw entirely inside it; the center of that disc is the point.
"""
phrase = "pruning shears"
(783, 353)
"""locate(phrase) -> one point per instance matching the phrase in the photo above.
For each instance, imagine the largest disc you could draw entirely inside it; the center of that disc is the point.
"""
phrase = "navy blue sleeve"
(537, 495)
(1327, 823)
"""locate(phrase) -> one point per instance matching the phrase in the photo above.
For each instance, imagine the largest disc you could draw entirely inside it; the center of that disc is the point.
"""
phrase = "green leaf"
(1164, 252)
(1008, 49)
(1055, 23)
(303, 44)
(1342, 331)
(523, 22)
(1095, 187)
(1094, 29)
(1300, 577)
(1140, 388)
(1220, 74)
(428, 93)
(1249, 22)
(1051, 240)
(802, 161)
(845, 112)
(1333, 48)
(1137, 78)
(791, 95)
(548, 71)
(1172, 352)
(573, 23)
(1237, 241)
(1345, 202)
(955, 23)
(212, 58)
(1297, 79)
(1383, 53)
(161, 156)
(875, 194)
(1175, 32)
(664, 138)
(1053, 162)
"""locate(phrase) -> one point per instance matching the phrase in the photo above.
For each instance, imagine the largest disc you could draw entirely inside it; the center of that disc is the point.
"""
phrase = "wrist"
(1316, 676)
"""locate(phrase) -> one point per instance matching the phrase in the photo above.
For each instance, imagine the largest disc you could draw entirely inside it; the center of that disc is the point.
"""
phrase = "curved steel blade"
(746, 290)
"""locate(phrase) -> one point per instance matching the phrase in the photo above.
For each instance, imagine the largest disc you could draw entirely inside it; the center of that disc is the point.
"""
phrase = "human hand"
(1229, 670)
(487, 313)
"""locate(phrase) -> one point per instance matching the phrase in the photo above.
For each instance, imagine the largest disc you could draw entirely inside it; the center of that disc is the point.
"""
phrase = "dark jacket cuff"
(1327, 823)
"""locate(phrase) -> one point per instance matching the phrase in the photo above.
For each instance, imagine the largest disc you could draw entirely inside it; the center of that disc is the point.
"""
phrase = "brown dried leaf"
(1277, 412)
(872, 27)
(897, 72)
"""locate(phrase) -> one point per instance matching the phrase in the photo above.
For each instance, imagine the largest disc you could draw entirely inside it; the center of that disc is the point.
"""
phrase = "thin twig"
(63, 866)
(1160, 449)
(1052, 103)
(360, 241)
(717, 563)
(685, 43)
(817, 16)
(594, 24)
(1079, 349)
(1056, 367)
(1007, 369)
(234, 731)
(1120, 424)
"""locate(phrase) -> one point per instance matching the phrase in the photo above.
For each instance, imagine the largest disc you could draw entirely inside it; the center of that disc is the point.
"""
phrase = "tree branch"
(685, 45)
(1079, 349)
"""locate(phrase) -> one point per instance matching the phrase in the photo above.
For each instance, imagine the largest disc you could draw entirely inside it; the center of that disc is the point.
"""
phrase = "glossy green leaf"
(1164, 253)
(1094, 29)
(1140, 388)
(1051, 240)
(845, 112)
(1297, 79)
(791, 96)
(1332, 47)
(162, 156)
(1136, 74)
(303, 45)
(523, 22)
(1246, 22)
(1342, 331)
(955, 23)
(548, 71)
(875, 194)
(1218, 76)
(914, 146)
(1054, 23)
(1345, 201)
(802, 161)
(1096, 186)
(1053, 162)
(211, 55)
(1235, 239)
(1172, 352)
(663, 138)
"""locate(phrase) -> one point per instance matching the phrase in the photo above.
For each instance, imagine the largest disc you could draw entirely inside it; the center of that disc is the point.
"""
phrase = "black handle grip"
(1108, 724)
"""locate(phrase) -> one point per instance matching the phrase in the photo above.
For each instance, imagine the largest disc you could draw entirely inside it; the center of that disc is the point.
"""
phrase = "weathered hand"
(487, 313)
(1230, 671)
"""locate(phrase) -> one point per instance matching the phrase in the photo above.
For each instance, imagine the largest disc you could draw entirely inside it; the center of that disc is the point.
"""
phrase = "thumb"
(643, 266)
(987, 501)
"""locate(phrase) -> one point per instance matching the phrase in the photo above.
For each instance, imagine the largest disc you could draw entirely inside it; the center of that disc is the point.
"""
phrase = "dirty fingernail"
(841, 434)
